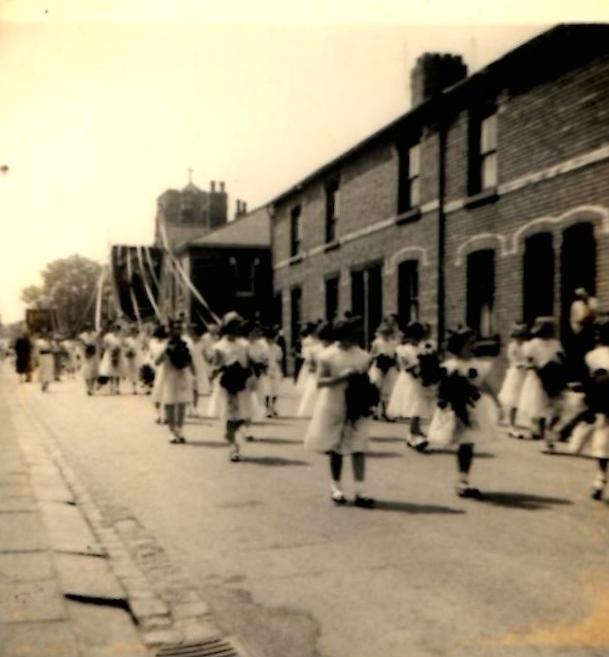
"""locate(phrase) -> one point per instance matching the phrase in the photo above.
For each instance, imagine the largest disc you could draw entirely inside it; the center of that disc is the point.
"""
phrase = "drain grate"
(209, 648)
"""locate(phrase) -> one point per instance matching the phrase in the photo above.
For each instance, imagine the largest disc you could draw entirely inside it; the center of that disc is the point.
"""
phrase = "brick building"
(487, 202)
(190, 212)
(229, 266)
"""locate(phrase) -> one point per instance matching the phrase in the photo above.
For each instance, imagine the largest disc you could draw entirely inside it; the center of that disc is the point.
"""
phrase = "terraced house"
(486, 203)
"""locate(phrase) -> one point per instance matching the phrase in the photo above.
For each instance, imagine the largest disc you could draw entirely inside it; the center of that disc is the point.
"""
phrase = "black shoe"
(469, 492)
(339, 499)
(597, 494)
(364, 502)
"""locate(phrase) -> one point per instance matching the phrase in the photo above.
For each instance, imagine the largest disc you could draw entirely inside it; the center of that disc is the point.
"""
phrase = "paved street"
(524, 572)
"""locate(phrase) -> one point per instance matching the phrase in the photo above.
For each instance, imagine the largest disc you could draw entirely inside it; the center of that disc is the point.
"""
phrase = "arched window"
(538, 277)
(481, 291)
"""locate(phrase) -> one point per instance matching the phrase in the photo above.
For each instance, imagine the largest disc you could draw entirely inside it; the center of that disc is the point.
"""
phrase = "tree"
(69, 286)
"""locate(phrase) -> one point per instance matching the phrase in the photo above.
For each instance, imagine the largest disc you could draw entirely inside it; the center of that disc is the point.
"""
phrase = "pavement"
(255, 552)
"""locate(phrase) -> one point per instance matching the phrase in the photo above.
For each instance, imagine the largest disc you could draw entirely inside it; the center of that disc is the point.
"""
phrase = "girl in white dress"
(132, 358)
(156, 347)
(273, 374)
(509, 395)
(201, 385)
(543, 384)
(45, 358)
(325, 337)
(410, 397)
(112, 364)
(258, 353)
(175, 389)
(308, 346)
(591, 435)
(467, 410)
(232, 370)
(90, 368)
(383, 371)
(333, 429)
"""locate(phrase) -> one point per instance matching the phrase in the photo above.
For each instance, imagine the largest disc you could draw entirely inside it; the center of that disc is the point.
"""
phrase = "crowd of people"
(443, 396)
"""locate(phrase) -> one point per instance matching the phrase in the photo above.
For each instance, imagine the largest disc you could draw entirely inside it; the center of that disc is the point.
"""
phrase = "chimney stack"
(222, 186)
(434, 72)
(212, 186)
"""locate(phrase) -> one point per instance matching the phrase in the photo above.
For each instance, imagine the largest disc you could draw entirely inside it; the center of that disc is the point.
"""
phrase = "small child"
(383, 371)
(509, 395)
(467, 407)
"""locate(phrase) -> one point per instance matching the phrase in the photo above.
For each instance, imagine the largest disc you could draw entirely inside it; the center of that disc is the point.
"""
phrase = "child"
(509, 395)
(133, 358)
(112, 365)
(544, 381)
(591, 435)
(273, 373)
(465, 414)
(325, 337)
(232, 369)
(90, 368)
(45, 357)
(410, 397)
(175, 387)
(383, 372)
(339, 425)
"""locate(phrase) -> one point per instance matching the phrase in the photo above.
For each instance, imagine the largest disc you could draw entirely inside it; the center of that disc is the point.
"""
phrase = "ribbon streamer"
(132, 296)
(149, 294)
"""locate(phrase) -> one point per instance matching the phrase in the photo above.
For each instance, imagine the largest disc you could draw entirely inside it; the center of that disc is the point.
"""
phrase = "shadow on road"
(205, 443)
(409, 507)
(277, 441)
(452, 452)
(386, 439)
(384, 455)
(524, 501)
(271, 461)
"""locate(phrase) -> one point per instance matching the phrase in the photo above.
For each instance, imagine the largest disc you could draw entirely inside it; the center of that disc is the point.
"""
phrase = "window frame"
(483, 148)
(295, 231)
(332, 192)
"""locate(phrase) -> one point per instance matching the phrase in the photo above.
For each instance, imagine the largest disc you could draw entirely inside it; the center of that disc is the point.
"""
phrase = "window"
(482, 152)
(409, 192)
(367, 298)
(488, 152)
(332, 210)
(538, 277)
(295, 315)
(481, 291)
(408, 291)
(332, 291)
(295, 231)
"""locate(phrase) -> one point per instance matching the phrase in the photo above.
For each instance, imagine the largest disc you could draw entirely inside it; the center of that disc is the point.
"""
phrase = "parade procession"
(429, 304)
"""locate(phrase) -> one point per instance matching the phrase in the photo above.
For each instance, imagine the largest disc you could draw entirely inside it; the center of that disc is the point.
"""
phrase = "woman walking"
(340, 424)
(510, 392)
(90, 368)
(45, 358)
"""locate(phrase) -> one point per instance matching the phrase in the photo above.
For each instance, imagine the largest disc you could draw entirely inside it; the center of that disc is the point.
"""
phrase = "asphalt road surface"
(523, 572)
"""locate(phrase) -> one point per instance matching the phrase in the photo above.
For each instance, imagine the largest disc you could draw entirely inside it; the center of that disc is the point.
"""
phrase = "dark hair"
(325, 331)
(347, 329)
(458, 338)
(160, 332)
(415, 331)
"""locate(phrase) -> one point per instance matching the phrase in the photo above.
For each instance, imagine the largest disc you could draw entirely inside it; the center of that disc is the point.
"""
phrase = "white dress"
(224, 405)
(309, 344)
(311, 391)
(534, 403)
(132, 359)
(384, 380)
(410, 398)
(112, 367)
(201, 379)
(175, 385)
(593, 439)
(46, 360)
(155, 349)
(509, 395)
(329, 429)
(483, 414)
(90, 368)
(274, 373)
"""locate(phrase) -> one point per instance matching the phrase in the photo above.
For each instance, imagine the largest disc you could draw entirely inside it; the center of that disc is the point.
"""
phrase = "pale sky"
(105, 104)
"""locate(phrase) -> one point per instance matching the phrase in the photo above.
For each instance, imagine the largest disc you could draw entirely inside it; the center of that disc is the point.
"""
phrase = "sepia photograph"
(304, 328)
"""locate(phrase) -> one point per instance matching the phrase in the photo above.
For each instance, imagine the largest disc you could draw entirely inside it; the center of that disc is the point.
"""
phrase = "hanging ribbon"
(179, 269)
(138, 250)
(98, 301)
(117, 300)
(151, 267)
